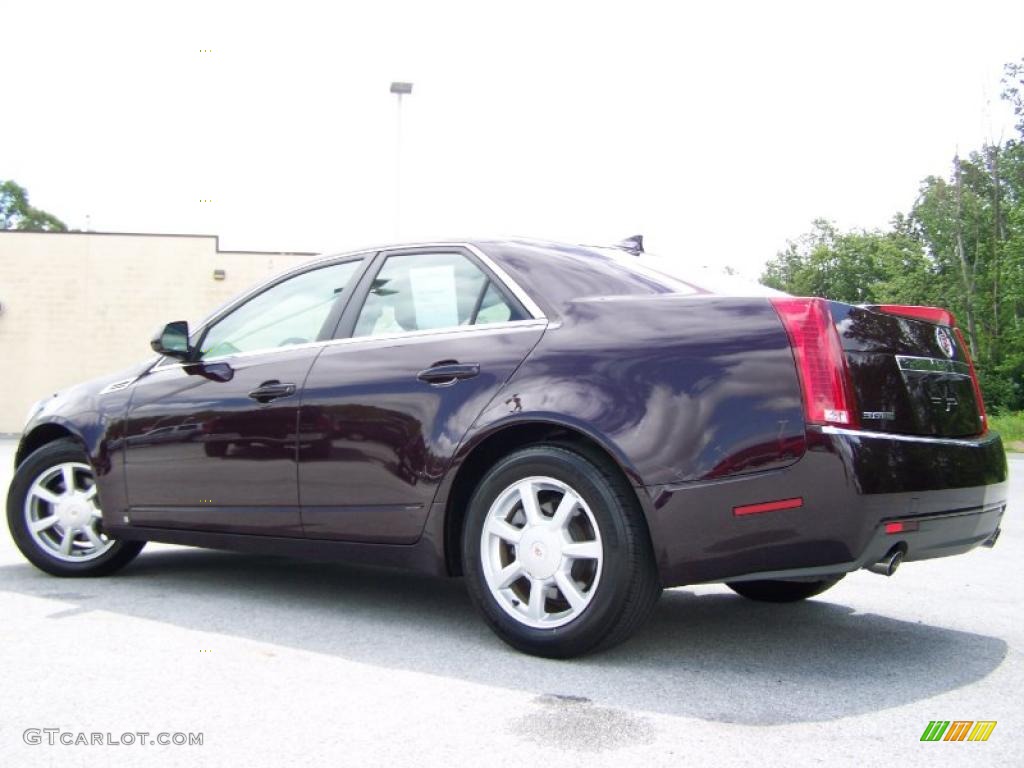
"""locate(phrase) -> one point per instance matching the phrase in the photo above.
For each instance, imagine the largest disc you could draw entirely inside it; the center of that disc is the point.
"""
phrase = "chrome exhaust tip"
(887, 565)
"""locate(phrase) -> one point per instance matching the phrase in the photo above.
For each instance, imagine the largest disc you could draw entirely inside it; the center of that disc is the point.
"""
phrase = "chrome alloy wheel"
(541, 552)
(62, 514)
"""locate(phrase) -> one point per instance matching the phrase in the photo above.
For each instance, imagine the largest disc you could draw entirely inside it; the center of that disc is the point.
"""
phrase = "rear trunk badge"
(878, 415)
(944, 340)
(941, 394)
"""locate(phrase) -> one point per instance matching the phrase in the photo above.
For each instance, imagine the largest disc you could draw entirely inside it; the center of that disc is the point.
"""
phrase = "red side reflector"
(966, 350)
(901, 526)
(936, 315)
(828, 395)
(768, 506)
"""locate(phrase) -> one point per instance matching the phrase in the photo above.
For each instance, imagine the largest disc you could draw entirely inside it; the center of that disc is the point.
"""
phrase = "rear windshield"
(587, 271)
(683, 278)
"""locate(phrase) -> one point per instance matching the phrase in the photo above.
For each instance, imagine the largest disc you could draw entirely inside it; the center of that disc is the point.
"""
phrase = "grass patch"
(1010, 425)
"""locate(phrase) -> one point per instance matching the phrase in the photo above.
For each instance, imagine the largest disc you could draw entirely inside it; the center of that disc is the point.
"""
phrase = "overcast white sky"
(718, 130)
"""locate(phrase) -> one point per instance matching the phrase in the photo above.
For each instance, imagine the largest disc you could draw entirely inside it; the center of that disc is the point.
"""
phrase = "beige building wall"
(78, 305)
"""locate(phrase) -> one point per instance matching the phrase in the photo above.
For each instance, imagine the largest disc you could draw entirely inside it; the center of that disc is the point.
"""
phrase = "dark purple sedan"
(571, 428)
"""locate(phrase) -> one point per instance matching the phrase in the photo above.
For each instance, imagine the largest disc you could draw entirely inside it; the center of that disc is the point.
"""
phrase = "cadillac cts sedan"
(572, 429)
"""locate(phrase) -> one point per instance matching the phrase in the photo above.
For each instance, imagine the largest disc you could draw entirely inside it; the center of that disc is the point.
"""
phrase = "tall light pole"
(400, 90)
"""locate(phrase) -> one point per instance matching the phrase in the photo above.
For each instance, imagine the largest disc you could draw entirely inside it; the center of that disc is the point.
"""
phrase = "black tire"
(781, 591)
(216, 450)
(628, 587)
(47, 457)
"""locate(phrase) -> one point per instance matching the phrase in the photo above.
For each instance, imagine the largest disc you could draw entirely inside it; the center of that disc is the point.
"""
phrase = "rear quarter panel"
(678, 388)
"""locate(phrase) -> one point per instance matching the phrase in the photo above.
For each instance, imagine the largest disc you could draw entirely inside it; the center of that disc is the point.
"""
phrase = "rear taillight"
(828, 396)
(966, 350)
(936, 315)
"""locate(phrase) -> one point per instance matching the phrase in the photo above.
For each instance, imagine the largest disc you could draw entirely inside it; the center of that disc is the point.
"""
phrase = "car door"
(426, 343)
(211, 444)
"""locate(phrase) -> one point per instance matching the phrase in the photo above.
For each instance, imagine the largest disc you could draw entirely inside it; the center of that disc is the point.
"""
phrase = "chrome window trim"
(513, 287)
(960, 441)
(511, 325)
(365, 253)
(932, 365)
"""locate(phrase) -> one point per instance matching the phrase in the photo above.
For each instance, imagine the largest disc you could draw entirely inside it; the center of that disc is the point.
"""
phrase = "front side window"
(291, 312)
(422, 292)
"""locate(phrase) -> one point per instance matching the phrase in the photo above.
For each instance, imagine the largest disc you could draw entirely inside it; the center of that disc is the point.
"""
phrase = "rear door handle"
(449, 372)
(271, 390)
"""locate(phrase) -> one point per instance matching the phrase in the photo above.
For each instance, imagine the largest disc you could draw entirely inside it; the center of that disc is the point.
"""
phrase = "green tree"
(1013, 90)
(960, 246)
(16, 213)
(858, 267)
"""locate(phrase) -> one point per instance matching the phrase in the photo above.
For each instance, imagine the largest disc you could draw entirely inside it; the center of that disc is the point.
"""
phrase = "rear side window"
(493, 307)
(422, 292)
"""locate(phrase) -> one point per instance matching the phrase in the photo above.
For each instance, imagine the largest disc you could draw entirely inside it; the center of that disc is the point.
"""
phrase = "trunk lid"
(909, 376)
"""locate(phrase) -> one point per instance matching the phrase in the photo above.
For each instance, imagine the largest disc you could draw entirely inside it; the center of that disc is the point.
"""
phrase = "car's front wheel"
(556, 553)
(54, 515)
(781, 591)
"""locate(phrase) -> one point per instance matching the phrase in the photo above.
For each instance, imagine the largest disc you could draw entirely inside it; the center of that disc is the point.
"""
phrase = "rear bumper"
(851, 484)
(934, 536)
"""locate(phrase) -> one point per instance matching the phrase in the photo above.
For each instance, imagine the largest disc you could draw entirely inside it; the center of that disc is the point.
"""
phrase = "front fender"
(91, 413)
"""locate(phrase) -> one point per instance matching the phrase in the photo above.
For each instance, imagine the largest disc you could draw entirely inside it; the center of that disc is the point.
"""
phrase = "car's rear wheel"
(55, 518)
(782, 591)
(556, 553)
(215, 450)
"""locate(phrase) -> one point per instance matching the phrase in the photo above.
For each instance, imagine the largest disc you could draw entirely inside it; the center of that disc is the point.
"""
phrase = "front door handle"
(449, 372)
(271, 390)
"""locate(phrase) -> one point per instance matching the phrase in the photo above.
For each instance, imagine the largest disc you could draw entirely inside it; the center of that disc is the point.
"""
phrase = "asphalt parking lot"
(278, 662)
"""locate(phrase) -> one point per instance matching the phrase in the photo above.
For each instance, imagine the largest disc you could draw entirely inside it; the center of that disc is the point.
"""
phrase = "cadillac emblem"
(945, 341)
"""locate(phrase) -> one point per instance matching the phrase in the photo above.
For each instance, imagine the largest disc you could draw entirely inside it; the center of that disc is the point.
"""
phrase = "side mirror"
(172, 340)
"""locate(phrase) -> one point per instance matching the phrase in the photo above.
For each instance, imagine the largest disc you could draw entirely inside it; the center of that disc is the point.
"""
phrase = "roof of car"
(552, 274)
